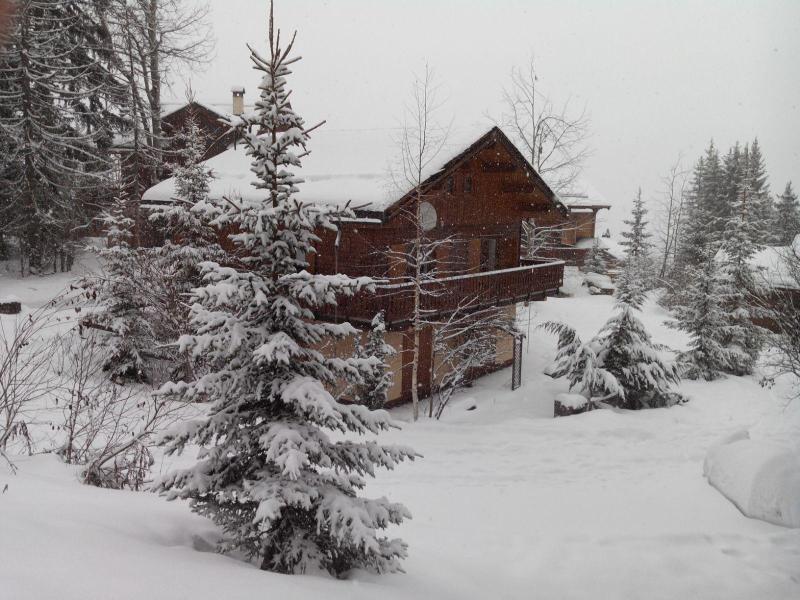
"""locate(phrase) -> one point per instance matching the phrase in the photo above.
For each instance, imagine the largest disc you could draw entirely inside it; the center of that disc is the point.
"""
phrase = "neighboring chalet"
(477, 195)
(217, 136)
(775, 271)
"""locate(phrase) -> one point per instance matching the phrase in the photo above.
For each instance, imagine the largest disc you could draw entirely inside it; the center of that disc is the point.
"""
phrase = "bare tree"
(464, 342)
(27, 377)
(420, 143)
(152, 39)
(675, 188)
(554, 138)
(538, 239)
(106, 427)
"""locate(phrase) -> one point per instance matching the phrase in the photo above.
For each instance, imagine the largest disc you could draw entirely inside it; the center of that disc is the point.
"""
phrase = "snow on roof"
(582, 192)
(359, 166)
(770, 264)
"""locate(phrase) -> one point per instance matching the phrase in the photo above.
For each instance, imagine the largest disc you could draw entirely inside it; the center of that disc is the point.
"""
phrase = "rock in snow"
(760, 478)
(569, 404)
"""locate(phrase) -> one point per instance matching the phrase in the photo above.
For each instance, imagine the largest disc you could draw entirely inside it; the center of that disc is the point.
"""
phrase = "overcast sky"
(658, 78)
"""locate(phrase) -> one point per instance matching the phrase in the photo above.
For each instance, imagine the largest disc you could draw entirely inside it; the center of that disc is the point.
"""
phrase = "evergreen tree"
(634, 240)
(637, 247)
(270, 475)
(120, 294)
(786, 224)
(373, 391)
(53, 82)
(744, 338)
(763, 212)
(699, 223)
(621, 364)
(595, 262)
(186, 219)
(706, 321)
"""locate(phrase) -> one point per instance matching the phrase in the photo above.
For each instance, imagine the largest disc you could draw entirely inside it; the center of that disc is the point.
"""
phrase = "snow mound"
(760, 478)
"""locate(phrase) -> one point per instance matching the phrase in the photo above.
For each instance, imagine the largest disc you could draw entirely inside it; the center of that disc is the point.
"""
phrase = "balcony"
(444, 295)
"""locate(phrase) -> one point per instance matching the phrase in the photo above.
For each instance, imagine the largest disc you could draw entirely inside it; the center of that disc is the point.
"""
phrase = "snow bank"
(761, 479)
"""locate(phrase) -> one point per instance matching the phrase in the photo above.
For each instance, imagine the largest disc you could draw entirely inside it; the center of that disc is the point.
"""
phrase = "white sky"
(658, 78)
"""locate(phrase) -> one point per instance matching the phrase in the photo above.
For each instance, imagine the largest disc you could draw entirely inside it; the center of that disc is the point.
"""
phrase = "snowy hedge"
(761, 479)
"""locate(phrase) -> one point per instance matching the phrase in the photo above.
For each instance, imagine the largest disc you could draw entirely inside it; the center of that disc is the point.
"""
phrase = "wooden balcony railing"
(441, 296)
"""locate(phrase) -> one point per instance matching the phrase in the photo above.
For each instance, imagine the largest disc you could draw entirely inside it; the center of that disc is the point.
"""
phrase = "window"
(450, 185)
(488, 254)
(468, 185)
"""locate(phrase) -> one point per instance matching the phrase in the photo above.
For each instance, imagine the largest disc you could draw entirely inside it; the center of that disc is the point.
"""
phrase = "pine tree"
(121, 306)
(744, 338)
(634, 240)
(705, 319)
(52, 80)
(636, 244)
(374, 390)
(269, 474)
(187, 218)
(699, 223)
(621, 364)
(595, 262)
(761, 198)
(786, 224)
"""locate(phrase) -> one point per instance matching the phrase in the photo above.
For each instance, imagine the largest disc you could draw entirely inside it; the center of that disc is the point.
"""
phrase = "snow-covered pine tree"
(373, 391)
(744, 338)
(635, 239)
(51, 79)
(190, 240)
(705, 319)
(698, 226)
(120, 293)
(763, 211)
(786, 223)
(636, 244)
(621, 364)
(270, 475)
(595, 262)
(186, 219)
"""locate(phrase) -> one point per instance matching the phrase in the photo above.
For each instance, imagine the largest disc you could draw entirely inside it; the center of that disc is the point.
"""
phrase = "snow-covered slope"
(507, 502)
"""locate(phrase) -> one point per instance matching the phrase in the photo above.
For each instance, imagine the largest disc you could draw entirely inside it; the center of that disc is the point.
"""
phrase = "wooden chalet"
(477, 197)
(217, 139)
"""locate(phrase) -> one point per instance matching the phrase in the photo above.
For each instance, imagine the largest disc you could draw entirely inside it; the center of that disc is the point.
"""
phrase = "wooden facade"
(480, 199)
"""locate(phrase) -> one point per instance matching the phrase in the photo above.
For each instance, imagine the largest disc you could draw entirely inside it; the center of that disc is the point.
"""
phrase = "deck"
(444, 295)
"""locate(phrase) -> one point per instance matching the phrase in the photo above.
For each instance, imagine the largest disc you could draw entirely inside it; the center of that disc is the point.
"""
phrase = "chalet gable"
(489, 178)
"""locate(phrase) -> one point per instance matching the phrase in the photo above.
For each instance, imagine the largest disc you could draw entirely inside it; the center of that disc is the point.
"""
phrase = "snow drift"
(761, 479)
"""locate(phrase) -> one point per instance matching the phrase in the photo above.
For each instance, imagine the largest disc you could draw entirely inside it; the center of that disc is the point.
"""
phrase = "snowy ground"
(508, 503)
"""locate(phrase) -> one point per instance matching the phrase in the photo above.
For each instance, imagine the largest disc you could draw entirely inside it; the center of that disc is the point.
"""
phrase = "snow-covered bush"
(270, 474)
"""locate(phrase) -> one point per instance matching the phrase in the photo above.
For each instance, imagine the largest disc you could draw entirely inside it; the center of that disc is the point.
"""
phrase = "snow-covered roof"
(222, 109)
(582, 192)
(359, 166)
(771, 266)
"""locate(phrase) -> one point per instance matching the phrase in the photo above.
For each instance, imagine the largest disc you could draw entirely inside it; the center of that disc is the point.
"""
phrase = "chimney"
(238, 99)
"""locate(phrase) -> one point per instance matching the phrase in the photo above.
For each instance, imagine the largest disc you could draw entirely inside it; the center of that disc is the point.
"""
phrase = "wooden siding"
(442, 296)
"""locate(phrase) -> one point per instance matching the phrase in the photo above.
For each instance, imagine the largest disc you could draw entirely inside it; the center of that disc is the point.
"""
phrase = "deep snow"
(507, 502)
